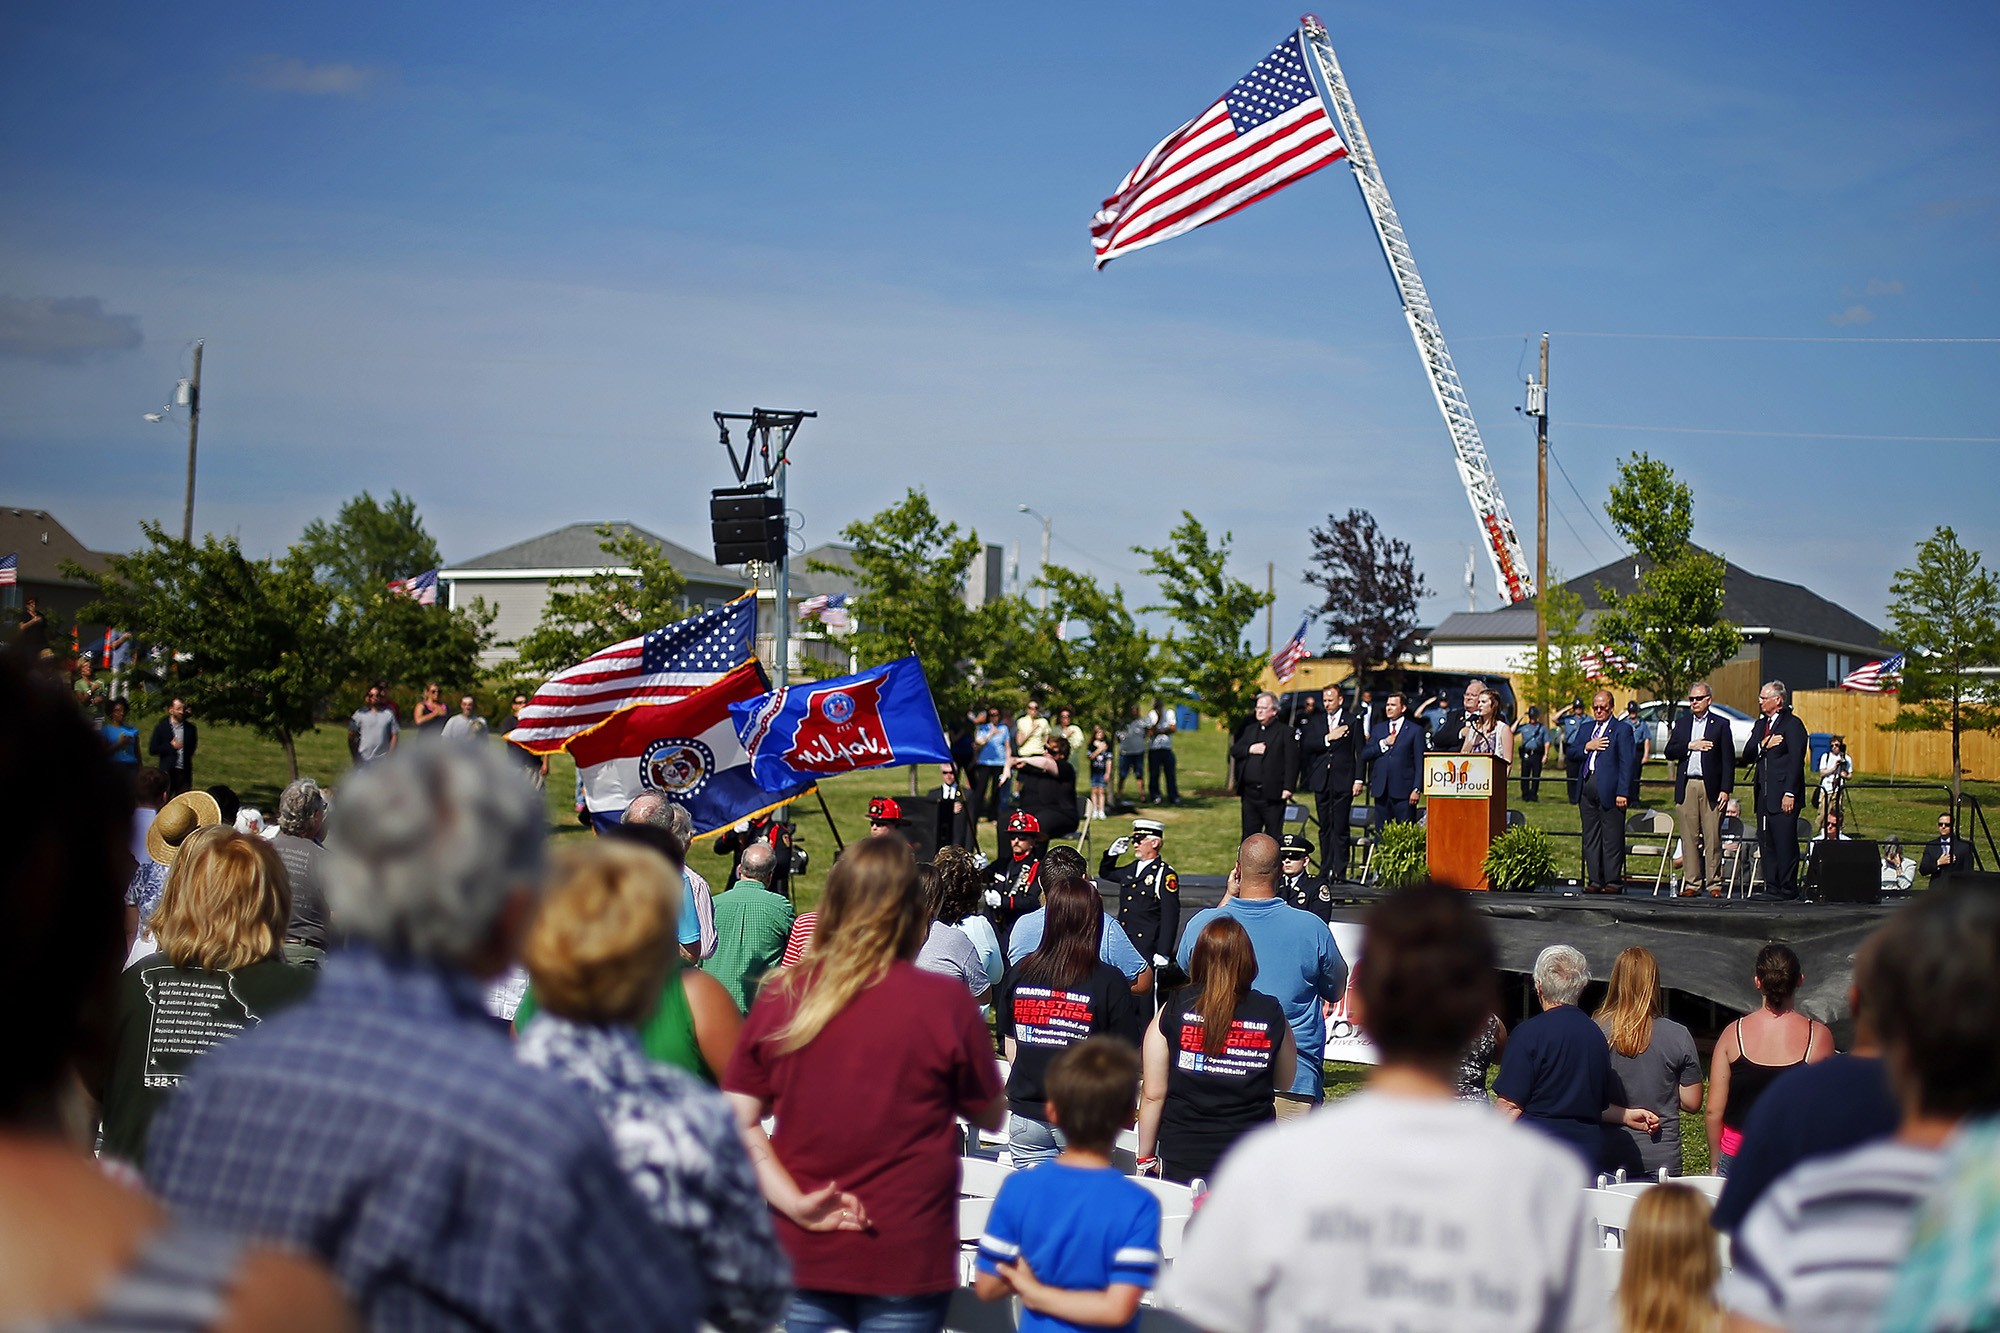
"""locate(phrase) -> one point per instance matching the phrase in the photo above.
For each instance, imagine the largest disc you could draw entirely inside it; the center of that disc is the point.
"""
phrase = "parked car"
(1657, 718)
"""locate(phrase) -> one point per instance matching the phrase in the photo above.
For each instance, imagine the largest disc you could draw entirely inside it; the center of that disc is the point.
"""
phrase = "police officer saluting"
(1296, 885)
(1149, 892)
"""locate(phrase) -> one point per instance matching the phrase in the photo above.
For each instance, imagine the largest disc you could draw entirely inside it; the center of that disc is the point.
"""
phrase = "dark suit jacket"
(1449, 738)
(1329, 768)
(1617, 764)
(1781, 770)
(1718, 764)
(1964, 856)
(162, 744)
(1394, 771)
(961, 824)
(1272, 770)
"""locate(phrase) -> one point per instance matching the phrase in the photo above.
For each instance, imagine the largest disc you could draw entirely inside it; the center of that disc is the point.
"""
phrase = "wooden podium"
(1466, 795)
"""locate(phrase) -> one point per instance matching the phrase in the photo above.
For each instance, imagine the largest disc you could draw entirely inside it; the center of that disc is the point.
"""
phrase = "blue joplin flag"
(882, 716)
(686, 751)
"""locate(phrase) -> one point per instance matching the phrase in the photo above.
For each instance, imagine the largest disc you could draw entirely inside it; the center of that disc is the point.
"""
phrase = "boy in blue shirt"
(1074, 1239)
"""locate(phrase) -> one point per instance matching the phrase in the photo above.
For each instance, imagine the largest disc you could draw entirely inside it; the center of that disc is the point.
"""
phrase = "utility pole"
(1271, 589)
(194, 431)
(1044, 580)
(1538, 407)
(773, 543)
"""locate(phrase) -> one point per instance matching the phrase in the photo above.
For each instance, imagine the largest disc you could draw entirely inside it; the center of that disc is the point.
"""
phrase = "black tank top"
(1748, 1079)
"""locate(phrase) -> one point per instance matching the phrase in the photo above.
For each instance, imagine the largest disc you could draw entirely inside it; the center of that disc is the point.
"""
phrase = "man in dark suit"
(174, 741)
(1703, 754)
(1600, 754)
(1266, 764)
(1947, 852)
(949, 795)
(1449, 738)
(1778, 745)
(1330, 768)
(1395, 762)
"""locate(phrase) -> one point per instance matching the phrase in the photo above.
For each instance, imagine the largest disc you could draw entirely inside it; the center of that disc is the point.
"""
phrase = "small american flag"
(830, 609)
(1601, 664)
(1874, 677)
(655, 668)
(423, 587)
(1265, 133)
(1286, 664)
(10, 568)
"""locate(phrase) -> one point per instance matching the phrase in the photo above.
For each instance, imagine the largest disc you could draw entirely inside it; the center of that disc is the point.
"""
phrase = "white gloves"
(993, 897)
(1120, 847)
(1159, 960)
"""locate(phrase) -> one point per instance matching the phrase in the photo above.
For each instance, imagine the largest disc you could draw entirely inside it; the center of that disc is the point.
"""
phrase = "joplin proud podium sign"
(1466, 795)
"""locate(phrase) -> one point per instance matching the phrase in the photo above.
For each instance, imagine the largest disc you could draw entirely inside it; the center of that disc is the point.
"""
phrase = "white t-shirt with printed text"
(1391, 1214)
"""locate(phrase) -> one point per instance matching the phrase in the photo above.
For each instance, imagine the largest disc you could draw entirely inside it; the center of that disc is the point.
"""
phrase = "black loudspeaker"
(929, 826)
(747, 524)
(1849, 871)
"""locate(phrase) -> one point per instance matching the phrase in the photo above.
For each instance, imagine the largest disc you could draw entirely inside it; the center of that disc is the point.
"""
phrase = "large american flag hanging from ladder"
(1265, 133)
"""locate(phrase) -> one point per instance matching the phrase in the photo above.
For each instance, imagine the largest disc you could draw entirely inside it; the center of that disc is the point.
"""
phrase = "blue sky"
(508, 260)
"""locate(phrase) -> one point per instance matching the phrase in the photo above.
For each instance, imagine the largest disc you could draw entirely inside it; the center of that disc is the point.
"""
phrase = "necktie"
(1596, 735)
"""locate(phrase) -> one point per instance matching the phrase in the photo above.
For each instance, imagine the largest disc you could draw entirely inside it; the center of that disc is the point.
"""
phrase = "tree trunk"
(291, 753)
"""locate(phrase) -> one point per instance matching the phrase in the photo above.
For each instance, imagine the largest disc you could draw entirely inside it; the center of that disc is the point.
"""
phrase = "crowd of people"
(398, 1065)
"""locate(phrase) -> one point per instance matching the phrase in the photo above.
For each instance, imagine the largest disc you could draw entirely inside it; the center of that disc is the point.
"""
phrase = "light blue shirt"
(993, 743)
(1298, 965)
(1112, 945)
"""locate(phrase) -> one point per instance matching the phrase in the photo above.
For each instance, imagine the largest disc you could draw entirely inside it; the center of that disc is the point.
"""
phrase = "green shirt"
(667, 1035)
(751, 924)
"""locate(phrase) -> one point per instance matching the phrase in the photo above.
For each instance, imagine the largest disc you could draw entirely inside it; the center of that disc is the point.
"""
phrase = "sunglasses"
(1697, 698)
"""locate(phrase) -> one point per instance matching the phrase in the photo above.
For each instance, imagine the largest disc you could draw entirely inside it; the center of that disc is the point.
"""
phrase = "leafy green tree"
(260, 643)
(911, 568)
(1098, 673)
(1205, 653)
(395, 639)
(1946, 615)
(588, 615)
(369, 543)
(1556, 674)
(1670, 629)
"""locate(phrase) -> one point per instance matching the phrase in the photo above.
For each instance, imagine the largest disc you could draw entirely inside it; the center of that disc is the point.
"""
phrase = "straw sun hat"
(178, 818)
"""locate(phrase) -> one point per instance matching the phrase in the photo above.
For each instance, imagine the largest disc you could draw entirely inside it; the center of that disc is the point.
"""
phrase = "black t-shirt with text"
(1213, 1100)
(1045, 1020)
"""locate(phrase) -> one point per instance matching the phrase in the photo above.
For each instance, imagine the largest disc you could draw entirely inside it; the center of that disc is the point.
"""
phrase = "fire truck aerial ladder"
(1482, 488)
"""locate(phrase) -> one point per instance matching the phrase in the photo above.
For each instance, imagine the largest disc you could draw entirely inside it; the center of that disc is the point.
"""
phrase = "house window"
(1838, 666)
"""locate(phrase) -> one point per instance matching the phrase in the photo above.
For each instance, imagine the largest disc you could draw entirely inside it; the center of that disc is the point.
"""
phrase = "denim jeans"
(842, 1312)
(1030, 1142)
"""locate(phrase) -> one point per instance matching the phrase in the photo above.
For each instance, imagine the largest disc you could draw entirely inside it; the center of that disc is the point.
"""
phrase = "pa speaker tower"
(748, 524)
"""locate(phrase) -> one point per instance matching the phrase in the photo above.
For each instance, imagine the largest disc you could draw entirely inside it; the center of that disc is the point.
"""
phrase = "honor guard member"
(1017, 888)
(1296, 884)
(1149, 893)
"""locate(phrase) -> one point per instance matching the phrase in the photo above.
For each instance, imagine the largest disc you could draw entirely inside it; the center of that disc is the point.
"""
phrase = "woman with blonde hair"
(1653, 1066)
(866, 1061)
(1667, 1281)
(220, 968)
(602, 954)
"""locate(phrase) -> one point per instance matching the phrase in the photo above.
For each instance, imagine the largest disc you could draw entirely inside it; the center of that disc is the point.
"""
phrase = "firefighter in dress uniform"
(1017, 889)
(1149, 893)
(1296, 884)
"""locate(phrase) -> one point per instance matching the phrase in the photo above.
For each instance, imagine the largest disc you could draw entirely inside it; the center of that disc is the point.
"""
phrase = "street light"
(186, 394)
(1045, 553)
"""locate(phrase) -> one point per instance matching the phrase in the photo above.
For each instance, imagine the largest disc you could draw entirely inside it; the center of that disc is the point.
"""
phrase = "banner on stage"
(1344, 1038)
(1458, 775)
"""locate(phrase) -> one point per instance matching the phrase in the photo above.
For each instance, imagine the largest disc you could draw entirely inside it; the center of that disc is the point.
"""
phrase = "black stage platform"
(1706, 947)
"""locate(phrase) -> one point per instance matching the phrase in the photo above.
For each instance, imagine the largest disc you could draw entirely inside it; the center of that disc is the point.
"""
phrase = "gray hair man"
(301, 825)
(385, 1126)
(1778, 747)
(697, 918)
(1266, 754)
(1556, 1072)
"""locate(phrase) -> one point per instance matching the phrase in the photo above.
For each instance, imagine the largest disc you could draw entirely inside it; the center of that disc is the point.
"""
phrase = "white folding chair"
(1632, 1187)
(1171, 1231)
(1611, 1214)
(1176, 1200)
(1611, 1263)
(981, 1178)
(1653, 823)
(972, 1215)
(1709, 1185)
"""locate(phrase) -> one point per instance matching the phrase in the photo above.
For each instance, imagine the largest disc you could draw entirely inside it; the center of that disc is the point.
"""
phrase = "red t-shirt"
(870, 1102)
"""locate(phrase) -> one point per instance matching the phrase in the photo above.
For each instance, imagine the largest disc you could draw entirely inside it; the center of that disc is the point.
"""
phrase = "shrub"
(1401, 855)
(1521, 858)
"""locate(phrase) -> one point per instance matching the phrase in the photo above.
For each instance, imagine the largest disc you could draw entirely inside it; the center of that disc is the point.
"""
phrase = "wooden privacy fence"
(1923, 754)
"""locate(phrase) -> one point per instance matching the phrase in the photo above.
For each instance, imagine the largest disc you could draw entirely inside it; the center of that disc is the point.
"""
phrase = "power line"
(1785, 434)
(1588, 507)
(1762, 338)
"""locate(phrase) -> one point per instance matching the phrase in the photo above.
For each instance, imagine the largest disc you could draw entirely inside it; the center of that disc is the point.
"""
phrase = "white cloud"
(63, 329)
(1854, 314)
(289, 74)
(1880, 287)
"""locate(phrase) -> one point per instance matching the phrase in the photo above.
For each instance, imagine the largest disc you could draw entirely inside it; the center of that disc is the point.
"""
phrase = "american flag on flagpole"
(1286, 664)
(1874, 677)
(423, 587)
(1264, 133)
(830, 609)
(10, 568)
(1601, 663)
(655, 668)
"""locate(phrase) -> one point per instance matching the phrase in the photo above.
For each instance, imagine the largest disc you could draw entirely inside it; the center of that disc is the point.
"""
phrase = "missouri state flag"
(881, 716)
(687, 751)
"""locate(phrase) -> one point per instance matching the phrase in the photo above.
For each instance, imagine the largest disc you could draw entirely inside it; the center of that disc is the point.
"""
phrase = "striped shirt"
(1821, 1248)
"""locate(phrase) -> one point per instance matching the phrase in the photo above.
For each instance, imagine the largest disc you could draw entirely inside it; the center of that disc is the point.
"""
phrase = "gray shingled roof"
(43, 544)
(579, 547)
(1748, 599)
(808, 582)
